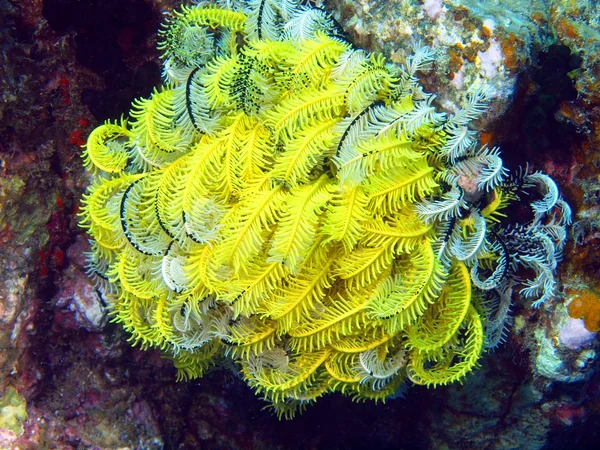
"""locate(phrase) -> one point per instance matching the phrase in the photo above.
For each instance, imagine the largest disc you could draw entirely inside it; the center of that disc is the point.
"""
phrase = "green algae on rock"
(13, 411)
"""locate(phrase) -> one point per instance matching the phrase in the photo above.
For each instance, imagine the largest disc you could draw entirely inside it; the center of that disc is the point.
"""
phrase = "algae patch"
(13, 411)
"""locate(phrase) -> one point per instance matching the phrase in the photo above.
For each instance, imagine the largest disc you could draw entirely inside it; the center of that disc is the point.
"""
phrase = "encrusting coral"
(299, 206)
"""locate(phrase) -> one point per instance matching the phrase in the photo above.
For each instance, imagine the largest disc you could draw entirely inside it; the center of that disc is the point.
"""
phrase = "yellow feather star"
(286, 238)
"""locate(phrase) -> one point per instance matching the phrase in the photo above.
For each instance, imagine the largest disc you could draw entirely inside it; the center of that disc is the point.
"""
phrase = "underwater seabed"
(522, 371)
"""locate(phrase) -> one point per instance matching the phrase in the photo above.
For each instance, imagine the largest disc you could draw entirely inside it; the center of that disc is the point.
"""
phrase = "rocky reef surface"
(69, 378)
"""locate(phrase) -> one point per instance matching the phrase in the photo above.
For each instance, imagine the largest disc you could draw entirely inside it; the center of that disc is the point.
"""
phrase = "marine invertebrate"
(300, 206)
(586, 305)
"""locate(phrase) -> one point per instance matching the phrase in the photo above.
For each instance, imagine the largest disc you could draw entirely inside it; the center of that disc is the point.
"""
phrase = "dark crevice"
(113, 38)
(533, 130)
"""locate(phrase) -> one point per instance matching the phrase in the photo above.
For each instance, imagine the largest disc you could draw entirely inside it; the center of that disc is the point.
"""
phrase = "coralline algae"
(574, 335)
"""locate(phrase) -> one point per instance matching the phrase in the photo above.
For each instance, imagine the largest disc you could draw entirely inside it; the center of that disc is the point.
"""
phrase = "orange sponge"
(586, 306)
